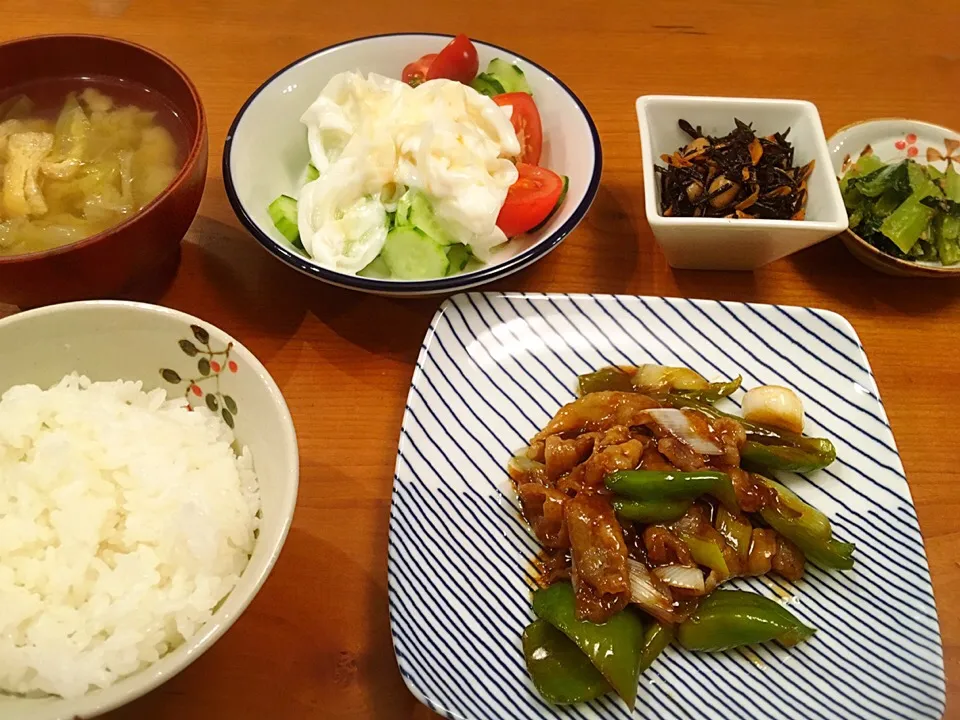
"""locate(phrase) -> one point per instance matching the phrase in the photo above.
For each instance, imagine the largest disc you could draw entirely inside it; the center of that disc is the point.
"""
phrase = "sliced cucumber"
(402, 217)
(283, 212)
(312, 172)
(411, 255)
(510, 77)
(458, 255)
(376, 269)
(423, 218)
(487, 84)
(563, 194)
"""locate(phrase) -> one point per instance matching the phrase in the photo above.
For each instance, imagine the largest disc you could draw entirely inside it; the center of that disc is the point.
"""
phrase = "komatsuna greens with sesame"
(906, 209)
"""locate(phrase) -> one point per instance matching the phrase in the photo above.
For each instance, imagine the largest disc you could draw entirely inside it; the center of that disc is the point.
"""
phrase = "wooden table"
(316, 641)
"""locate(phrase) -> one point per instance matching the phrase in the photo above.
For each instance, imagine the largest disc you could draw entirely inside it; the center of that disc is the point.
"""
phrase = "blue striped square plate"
(495, 367)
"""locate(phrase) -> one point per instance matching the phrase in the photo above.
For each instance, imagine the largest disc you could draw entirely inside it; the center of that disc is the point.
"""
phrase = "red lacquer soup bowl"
(147, 243)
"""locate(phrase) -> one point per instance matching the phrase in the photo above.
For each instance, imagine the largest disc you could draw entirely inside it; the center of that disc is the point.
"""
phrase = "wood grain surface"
(316, 643)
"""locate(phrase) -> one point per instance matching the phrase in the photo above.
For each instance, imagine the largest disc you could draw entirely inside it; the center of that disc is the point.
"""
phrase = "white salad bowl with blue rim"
(266, 153)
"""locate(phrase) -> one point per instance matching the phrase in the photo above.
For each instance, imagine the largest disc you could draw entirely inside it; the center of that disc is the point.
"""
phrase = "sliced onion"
(774, 405)
(681, 576)
(523, 470)
(524, 464)
(647, 592)
(658, 378)
(677, 423)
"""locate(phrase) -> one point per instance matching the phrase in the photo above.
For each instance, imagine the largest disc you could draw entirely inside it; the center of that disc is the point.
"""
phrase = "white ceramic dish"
(891, 140)
(731, 244)
(109, 340)
(495, 367)
(266, 152)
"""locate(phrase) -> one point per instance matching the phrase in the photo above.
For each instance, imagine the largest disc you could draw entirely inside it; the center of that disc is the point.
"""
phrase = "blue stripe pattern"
(495, 367)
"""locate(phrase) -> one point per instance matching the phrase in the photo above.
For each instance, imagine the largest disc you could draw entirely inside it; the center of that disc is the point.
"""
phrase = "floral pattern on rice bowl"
(211, 364)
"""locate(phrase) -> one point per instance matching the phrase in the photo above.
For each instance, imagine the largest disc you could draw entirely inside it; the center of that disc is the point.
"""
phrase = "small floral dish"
(891, 140)
(162, 348)
(716, 243)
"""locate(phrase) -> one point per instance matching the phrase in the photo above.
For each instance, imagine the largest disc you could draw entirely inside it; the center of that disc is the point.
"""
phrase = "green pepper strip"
(560, 672)
(655, 641)
(760, 457)
(768, 448)
(810, 530)
(822, 448)
(613, 647)
(608, 378)
(673, 485)
(731, 618)
(651, 511)
(713, 392)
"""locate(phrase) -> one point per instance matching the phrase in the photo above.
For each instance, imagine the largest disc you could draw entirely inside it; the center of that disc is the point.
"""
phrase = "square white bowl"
(734, 244)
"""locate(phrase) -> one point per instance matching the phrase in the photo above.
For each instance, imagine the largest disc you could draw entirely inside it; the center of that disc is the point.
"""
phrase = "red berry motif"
(909, 143)
(207, 368)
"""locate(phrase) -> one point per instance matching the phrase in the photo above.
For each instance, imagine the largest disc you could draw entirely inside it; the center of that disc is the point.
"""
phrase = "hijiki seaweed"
(738, 175)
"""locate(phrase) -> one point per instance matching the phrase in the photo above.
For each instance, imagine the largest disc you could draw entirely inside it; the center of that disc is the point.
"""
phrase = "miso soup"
(78, 157)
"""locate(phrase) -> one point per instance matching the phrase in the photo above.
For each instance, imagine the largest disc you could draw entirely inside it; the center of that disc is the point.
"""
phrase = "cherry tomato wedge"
(529, 200)
(457, 61)
(416, 72)
(526, 121)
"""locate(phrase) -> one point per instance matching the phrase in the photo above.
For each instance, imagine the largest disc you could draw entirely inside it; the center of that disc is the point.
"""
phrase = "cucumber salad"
(421, 177)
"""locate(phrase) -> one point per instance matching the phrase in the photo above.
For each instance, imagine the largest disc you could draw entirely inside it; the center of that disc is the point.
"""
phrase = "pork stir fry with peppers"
(645, 498)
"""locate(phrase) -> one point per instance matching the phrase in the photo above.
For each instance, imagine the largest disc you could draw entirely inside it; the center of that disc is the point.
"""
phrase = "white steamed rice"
(124, 520)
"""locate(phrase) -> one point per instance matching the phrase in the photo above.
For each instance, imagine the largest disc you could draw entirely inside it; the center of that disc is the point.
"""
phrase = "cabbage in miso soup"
(67, 175)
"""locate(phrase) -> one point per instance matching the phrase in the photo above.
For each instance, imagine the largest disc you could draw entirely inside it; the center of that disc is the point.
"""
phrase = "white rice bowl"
(125, 519)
